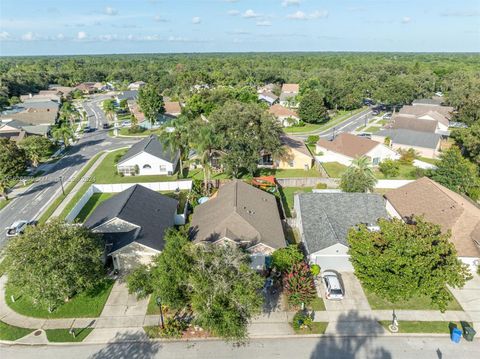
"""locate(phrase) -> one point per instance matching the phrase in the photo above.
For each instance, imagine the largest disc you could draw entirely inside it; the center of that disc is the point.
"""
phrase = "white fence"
(392, 183)
(119, 187)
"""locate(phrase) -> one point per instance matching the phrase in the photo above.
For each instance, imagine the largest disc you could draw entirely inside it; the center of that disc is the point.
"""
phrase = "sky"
(64, 27)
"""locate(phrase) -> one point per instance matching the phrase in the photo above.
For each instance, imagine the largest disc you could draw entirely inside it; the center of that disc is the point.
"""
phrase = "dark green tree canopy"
(151, 102)
(312, 108)
(358, 177)
(13, 163)
(52, 262)
(405, 260)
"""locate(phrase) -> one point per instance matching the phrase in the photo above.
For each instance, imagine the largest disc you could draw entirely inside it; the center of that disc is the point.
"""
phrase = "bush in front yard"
(389, 168)
(284, 258)
(301, 320)
(298, 285)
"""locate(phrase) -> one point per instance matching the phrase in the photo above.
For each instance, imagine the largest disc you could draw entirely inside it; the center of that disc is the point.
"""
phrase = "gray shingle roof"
(239, 212)
(152, 146)
(128, 95)
(411, 138)
(151, 211)
(327, 217)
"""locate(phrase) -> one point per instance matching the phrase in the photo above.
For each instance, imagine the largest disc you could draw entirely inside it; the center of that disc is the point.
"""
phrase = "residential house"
(42, 105)
(324, 219)
(434, 101)
(297, 155)
(86, 87)
(126, 95)
(133, 224)
(442, 114)
(137, 85)
(65, 90)
(346, 147)
(172, 108)
(17, 130)
(243, 215)
(98, 86)
(135, 111)
(268, 97)
(148, 157)
(33, 117)
(287, 117)
(439, 205)
(426, 144)
(288, 94)
(411, 122)
(266, 88)
(46, 95)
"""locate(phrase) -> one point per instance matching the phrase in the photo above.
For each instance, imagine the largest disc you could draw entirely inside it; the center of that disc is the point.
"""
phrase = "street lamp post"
(333, 134)
(159, 303)
(61, 183)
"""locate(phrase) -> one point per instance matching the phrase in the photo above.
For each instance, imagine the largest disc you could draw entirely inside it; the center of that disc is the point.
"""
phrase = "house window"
(376, 161)
(147, 167)
(127, 170)
(163, 168)
(291, 163)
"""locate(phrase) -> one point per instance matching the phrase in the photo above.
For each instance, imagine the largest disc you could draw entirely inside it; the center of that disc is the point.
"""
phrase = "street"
(324, 347)
(31, 203)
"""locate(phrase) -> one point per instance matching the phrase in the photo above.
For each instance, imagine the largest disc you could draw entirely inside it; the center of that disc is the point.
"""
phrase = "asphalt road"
(313, 348)
(348, 125)
(29, 204)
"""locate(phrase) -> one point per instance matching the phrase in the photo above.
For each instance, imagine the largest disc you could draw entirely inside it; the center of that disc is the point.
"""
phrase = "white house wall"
(334, 257)
(382, 152)
(330, 156)
(131, 256)
(145, 159)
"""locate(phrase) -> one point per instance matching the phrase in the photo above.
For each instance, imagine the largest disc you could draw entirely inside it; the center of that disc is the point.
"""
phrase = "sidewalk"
(73, 192)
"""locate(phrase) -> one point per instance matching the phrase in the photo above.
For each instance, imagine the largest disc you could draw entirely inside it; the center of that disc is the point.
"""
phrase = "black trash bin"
(469, 333)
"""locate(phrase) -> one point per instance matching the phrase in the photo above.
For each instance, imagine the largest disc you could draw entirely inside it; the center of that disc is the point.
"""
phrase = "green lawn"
(405, 326)
(339, 117)
(287, 194)
(432, 161)
(406, 172)
(3, 203)
(92, 203)
(10, 332)
(317, 304)
(82, 305)
(416, 303)
(373, 129)
(64, 336)
(334, 169)
(53, 206)
(152, 308)
(294, 173)
(316, 328)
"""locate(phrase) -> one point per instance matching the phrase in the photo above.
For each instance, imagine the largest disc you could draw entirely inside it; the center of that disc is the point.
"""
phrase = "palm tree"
(205, 140)
(109, 109)
(68, 112)
(359, 177)
(177, 139)
(63, 132)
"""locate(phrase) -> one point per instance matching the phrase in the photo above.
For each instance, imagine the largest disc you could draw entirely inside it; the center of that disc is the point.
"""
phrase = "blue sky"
(33, 27)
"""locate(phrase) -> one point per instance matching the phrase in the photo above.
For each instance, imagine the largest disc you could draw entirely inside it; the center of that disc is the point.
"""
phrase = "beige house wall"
(298, 160)
(131, 256)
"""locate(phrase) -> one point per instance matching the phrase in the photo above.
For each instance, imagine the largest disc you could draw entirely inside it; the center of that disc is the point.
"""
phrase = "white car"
(333, 286)
(16, 228)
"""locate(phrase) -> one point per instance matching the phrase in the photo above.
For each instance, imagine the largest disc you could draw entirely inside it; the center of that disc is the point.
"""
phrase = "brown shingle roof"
(33, 117)
(241, 213)
(280, 111)
(349, 145)
(445, 111)
(441, 206)
(295, 144)
(411, 122)
(291, 88)
(172, 108)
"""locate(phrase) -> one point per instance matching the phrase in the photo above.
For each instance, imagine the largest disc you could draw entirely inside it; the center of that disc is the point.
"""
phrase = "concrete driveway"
(469, 299)
(354, 298)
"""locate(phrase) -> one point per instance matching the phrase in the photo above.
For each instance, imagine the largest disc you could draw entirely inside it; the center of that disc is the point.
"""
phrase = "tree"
(244, 131)
(456, 173)
(36, 148)
(402, 261)
(68, 113)
(389, 168)
(52, 262)
(225, 291)
(298, 284)
(469, 140)
(64, 133)
(150, 102)
(109, 109)
(407, 156)
(284, 258)
(139, 282)
(312, 108)
(205, 141)
(358, 177)
(177, 139)
(13, 163)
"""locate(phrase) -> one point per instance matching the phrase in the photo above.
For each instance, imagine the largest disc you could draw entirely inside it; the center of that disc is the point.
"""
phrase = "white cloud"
(5, 36)
(82, 35)
(264, 23)
(233, 12)
(249, 14)
(300, 15)
(196, 20)
(29, 36)
(286, 3)
(111, 11)
(406, 19)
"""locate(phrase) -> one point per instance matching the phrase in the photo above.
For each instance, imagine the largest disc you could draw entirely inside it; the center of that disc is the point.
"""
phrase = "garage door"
(338, 263)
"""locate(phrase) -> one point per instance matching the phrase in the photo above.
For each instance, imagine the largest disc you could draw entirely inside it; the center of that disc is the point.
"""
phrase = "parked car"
(88, 129)
(387, 116)
(126, 123)
(106, 126)
(17, 228)
(365, 134)
(333, 286)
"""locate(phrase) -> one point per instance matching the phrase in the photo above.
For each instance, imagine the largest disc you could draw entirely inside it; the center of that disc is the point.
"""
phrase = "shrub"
(389, 168)
(139, 282)
(298, 285)
(418, 172)
(321, 186)
(313, 139)
(174, 328)
(117, 157)
(315, 269)
(407, 156)
(284, 258)
(301, 320)
(135, 129)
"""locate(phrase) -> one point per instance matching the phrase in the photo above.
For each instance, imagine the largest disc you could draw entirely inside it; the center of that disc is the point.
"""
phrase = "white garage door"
(338, 263)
